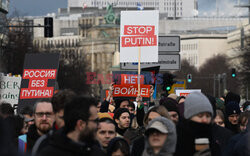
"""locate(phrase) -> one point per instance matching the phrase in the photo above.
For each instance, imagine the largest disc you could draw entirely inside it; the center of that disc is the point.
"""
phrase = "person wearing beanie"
(232, 97)
(122, 120)
(160, 137)
(171, 106)
(198, 113)
(232, 110)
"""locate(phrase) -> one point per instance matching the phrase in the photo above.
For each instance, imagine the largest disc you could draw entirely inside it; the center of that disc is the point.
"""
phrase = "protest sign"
(9, 89)
(139, 29)
(131, 90)
(39, 78)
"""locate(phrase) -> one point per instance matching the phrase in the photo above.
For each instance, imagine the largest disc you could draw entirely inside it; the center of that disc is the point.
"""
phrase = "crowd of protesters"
(72, 125)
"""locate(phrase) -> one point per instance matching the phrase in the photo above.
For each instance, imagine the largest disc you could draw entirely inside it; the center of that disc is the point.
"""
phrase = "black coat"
(221, 137)
(32, 137)
(138, 146)
(60, 144)
(187, 132)
(239, 144)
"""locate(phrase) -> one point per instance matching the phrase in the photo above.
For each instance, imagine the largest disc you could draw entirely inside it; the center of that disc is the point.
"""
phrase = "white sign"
(186, 92)
(166, 62)
(139, 29)
(9, 89)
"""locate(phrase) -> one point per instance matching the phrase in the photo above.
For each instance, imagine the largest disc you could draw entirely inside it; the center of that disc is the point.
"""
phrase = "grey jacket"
(170, 143)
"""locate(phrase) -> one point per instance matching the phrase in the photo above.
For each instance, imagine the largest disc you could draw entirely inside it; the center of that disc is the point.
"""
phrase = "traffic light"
(233, 73)
(168, 81)
(48, 27)
(189, 78)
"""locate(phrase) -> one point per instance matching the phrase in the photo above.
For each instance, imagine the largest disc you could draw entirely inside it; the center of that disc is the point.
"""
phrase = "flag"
(139, 6)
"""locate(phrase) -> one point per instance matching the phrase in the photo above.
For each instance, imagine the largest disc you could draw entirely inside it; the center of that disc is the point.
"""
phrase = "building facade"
(173, 8)
(197, 48)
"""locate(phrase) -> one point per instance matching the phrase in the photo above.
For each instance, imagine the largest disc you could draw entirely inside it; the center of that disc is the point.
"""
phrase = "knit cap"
(196, 103)
(232, 107)
(170, 104)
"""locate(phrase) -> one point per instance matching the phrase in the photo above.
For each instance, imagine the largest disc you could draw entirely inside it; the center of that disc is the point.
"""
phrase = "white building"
(173, 8)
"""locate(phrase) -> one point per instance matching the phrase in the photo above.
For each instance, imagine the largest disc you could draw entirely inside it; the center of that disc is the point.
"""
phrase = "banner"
(131, 91)
(39, 78)
(9, 89)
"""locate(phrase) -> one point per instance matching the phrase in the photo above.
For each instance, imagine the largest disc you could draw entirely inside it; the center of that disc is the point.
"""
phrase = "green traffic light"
(233, 75)
(189, 80)
(168, 88)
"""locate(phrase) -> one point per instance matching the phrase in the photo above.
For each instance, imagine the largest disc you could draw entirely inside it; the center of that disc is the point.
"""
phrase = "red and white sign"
(139, 29)
(38, 82)
(186, 92)
(131, 79)
(131, 91)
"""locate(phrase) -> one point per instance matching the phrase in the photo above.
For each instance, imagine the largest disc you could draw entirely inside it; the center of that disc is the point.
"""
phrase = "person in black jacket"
(44, 119)
(59, 100)
(78, 135)
(198, 114)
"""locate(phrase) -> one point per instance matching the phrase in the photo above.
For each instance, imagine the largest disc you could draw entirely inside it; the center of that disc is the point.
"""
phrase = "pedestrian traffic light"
(233, 73)
(48, 27)
(168, 81)
(189, 78)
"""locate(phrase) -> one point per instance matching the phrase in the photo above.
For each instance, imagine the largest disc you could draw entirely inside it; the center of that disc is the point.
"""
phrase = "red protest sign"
(38, 83)
(38, 78)
(139, 35)
(131, 90)
(32, 93)
(148, 30)
(131, 79)
(136, 41)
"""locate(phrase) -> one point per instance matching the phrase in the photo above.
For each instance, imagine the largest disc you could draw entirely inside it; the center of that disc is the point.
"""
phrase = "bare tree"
(217, 71)
(18, 43)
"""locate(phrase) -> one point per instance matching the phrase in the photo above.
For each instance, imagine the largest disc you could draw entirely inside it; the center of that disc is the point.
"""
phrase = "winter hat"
(232, 107)
(232, 97)
(170, 104)
(119, 112)
(104, 115)
(196, 103)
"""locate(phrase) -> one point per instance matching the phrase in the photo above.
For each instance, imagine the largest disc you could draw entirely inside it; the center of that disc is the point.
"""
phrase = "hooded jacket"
(170, 143)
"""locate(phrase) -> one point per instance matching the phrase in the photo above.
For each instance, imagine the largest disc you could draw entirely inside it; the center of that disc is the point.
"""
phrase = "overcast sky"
(43, 7)
(36, 7)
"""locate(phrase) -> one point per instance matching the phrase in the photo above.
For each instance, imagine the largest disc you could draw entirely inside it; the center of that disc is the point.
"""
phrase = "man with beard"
(78, 135)
(44, 119)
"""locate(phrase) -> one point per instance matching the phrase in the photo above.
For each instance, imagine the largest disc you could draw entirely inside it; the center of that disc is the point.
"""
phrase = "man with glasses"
(78, 135)
(43, 118)
(59, 101)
